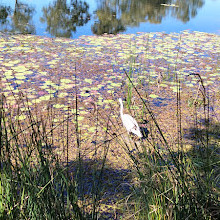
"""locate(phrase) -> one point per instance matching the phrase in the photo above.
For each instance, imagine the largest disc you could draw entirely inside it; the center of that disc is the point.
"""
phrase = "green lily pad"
(153, 96)
(88, 80)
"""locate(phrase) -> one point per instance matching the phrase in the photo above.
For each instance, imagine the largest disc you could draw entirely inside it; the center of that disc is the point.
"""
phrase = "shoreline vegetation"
(64, 151)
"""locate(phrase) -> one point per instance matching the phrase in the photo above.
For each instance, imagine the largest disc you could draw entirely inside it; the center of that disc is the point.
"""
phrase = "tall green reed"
(33, 182)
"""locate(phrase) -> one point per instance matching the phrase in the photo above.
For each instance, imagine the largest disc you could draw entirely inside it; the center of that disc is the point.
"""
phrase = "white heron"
(129, 122)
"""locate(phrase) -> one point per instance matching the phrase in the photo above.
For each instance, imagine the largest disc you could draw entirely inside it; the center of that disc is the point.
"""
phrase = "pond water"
(73, 18)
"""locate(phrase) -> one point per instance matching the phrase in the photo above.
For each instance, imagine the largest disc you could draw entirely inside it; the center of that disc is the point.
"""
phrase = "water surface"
(73, 18)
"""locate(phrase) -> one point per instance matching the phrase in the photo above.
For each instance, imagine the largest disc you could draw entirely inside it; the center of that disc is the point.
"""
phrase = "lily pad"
(153, 96)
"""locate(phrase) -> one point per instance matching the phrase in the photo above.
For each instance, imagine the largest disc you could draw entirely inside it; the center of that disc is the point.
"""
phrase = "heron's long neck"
(121, 111)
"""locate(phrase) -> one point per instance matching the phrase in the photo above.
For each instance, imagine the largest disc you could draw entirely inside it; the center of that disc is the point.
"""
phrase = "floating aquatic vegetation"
(55, 71)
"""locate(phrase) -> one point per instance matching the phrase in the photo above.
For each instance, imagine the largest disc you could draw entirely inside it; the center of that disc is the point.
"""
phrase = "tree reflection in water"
(21, 18)
(62, 18)
(114, 16)
(4, 12)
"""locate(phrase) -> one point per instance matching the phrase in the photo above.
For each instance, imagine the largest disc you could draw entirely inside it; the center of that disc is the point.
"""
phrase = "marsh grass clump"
(34, 184)
(40, 179)
(172, 182)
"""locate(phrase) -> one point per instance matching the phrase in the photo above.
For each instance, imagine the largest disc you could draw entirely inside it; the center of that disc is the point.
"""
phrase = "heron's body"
(129, 122)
